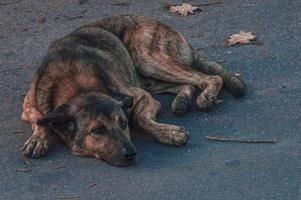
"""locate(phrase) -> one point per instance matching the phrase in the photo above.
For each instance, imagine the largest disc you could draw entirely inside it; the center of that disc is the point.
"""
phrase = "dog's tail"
(231, 81)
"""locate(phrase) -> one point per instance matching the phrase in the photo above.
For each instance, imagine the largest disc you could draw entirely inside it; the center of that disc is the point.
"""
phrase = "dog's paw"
(236, 86)
(181, 105)
(206, 102)
(172, 135)
(36, 146)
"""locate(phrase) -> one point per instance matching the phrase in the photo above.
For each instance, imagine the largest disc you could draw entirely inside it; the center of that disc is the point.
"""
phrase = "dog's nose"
(128, 152)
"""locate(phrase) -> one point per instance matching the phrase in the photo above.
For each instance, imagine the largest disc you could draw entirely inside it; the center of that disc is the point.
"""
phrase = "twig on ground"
(92, 185)
(223, 139)
(16, 132)
(70, 197)
(24, 170)
(76, 17)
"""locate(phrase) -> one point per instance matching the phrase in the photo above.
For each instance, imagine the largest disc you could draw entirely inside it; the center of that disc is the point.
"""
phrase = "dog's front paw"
(172, 135)
(36, 146)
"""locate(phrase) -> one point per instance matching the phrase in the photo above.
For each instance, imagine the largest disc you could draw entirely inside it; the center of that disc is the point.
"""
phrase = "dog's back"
(89, 58)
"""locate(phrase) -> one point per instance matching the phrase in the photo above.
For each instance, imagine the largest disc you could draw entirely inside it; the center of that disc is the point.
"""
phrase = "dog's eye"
(123, 124)
(99, 130)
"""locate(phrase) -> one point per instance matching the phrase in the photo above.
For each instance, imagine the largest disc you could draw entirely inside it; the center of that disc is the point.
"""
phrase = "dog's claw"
(206, 103)
(35, 146)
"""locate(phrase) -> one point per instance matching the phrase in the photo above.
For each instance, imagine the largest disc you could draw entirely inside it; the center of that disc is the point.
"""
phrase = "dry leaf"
(184, 9)
(241, 37)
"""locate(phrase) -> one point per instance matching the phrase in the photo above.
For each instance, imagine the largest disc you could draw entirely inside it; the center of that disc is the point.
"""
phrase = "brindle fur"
(101, 76)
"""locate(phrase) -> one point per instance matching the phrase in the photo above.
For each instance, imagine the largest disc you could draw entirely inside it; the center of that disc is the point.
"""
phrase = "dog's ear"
(59, 121)
(127, 103)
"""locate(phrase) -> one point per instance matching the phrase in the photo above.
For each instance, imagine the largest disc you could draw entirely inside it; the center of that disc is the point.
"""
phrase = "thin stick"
(222, 139)
(16, 132)
(23, 170)
(76, 17)
(70, 197)
(92, 185)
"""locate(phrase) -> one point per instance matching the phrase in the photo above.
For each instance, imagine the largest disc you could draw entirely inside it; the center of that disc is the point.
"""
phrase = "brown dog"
(98, 79)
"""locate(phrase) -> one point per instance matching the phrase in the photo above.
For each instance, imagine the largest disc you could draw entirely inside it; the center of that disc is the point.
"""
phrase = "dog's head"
(94, 125)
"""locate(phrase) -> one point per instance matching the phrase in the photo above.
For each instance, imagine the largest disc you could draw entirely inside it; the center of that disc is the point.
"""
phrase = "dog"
(96, 83)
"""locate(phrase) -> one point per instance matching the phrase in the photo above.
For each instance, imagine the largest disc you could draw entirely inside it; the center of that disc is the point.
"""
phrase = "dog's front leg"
(144, 116)
(38, 143)
(41, 138)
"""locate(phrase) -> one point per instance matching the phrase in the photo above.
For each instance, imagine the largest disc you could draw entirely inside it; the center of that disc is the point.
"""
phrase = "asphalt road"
(201, 170)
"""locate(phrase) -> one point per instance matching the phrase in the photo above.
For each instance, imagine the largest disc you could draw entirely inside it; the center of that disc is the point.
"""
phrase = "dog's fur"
(99, 78)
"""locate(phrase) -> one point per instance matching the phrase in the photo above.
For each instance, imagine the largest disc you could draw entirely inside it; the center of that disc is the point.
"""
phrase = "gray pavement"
(201, 170)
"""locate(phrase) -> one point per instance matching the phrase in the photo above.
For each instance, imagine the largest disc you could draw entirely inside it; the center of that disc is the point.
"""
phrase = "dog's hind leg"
(184, 93)
(164, 68)
(231, 82)
(163, 54)
(144, 115)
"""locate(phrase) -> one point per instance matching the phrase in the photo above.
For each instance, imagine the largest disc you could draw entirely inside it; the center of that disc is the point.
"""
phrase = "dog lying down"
(96, 82)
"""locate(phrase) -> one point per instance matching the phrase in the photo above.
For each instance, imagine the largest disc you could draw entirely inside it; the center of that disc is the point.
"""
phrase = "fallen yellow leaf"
(241, 37)
(184, 9)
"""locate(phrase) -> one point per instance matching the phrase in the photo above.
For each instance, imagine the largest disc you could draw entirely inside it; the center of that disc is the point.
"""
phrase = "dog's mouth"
(118, 161)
